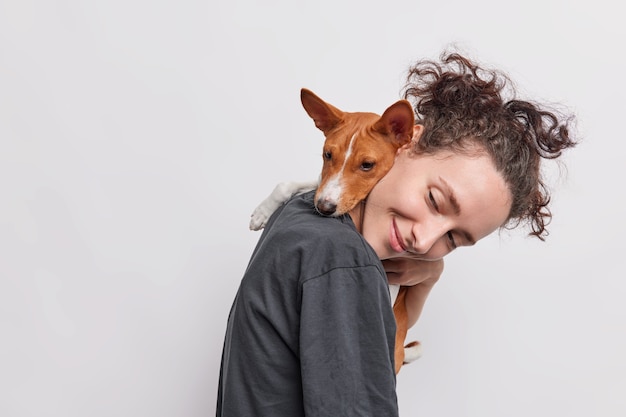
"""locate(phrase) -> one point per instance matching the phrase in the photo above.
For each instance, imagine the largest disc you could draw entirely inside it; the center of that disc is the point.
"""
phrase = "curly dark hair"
(461, 104)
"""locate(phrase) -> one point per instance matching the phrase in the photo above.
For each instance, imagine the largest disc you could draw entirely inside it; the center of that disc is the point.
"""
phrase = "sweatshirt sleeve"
(347, 333)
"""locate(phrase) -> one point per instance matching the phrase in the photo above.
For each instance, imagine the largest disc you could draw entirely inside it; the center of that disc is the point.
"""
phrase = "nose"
(427, 234)
(326, 207)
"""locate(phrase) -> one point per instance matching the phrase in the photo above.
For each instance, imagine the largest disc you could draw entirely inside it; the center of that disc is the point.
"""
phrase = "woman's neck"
(357, 214)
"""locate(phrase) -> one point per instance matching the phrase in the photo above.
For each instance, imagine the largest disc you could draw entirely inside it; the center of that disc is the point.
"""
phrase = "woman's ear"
(417, 133)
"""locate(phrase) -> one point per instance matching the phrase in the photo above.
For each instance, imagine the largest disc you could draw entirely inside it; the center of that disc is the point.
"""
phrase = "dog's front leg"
(282, 192)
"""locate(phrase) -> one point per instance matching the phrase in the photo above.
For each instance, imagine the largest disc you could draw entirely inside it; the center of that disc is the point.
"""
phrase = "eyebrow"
(456, 207)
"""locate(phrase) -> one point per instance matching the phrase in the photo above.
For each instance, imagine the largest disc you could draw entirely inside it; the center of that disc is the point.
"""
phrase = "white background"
(137, 136)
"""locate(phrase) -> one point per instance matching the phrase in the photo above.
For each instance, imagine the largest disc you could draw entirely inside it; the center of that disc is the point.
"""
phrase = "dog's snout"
(327, 208)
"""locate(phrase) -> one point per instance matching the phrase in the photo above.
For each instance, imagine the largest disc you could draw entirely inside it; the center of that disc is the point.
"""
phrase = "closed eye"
(451, 240)
(432, 200)
(449, 235)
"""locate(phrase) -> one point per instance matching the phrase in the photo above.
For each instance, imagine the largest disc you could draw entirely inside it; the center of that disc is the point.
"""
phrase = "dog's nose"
(326, 208)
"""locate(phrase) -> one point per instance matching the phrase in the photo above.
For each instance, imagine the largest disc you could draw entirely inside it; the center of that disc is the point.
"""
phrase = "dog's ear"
(325, 116)
(397, 121)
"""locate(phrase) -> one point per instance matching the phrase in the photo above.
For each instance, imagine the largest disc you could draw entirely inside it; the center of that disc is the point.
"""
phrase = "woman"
(311, 331)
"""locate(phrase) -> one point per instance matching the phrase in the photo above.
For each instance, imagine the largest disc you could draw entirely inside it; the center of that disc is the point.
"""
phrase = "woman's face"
(427, 205)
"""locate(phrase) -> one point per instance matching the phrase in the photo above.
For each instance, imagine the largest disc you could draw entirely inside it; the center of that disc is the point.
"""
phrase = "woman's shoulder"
(300, 244)
(299, 215)
(297, 225)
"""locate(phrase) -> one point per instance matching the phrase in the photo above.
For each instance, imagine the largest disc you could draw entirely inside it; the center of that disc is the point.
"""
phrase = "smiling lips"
(396, 242)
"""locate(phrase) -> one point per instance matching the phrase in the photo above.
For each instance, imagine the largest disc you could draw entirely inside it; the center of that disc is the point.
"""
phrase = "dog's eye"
(367, 166)
(328, 156)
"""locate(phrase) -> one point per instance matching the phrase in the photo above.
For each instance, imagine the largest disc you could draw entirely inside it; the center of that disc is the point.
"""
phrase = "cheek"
(410, 205)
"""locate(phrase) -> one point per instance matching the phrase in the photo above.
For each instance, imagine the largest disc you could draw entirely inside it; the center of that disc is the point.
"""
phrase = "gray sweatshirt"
(311, 331)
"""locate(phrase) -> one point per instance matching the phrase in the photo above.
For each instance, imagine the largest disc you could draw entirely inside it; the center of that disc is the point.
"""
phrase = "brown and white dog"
(359, 149)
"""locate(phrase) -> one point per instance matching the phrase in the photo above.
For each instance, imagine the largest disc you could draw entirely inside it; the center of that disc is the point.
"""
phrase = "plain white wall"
(137, 136)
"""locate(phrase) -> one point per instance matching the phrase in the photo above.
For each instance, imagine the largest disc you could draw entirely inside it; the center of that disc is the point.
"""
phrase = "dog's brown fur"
(359, 150)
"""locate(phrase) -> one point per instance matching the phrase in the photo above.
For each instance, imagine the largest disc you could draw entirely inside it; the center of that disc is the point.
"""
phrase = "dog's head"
(358, 151)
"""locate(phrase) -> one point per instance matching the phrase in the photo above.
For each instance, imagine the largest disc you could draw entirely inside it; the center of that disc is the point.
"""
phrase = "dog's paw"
(281, 193)
(259, 217)
(412, 352)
